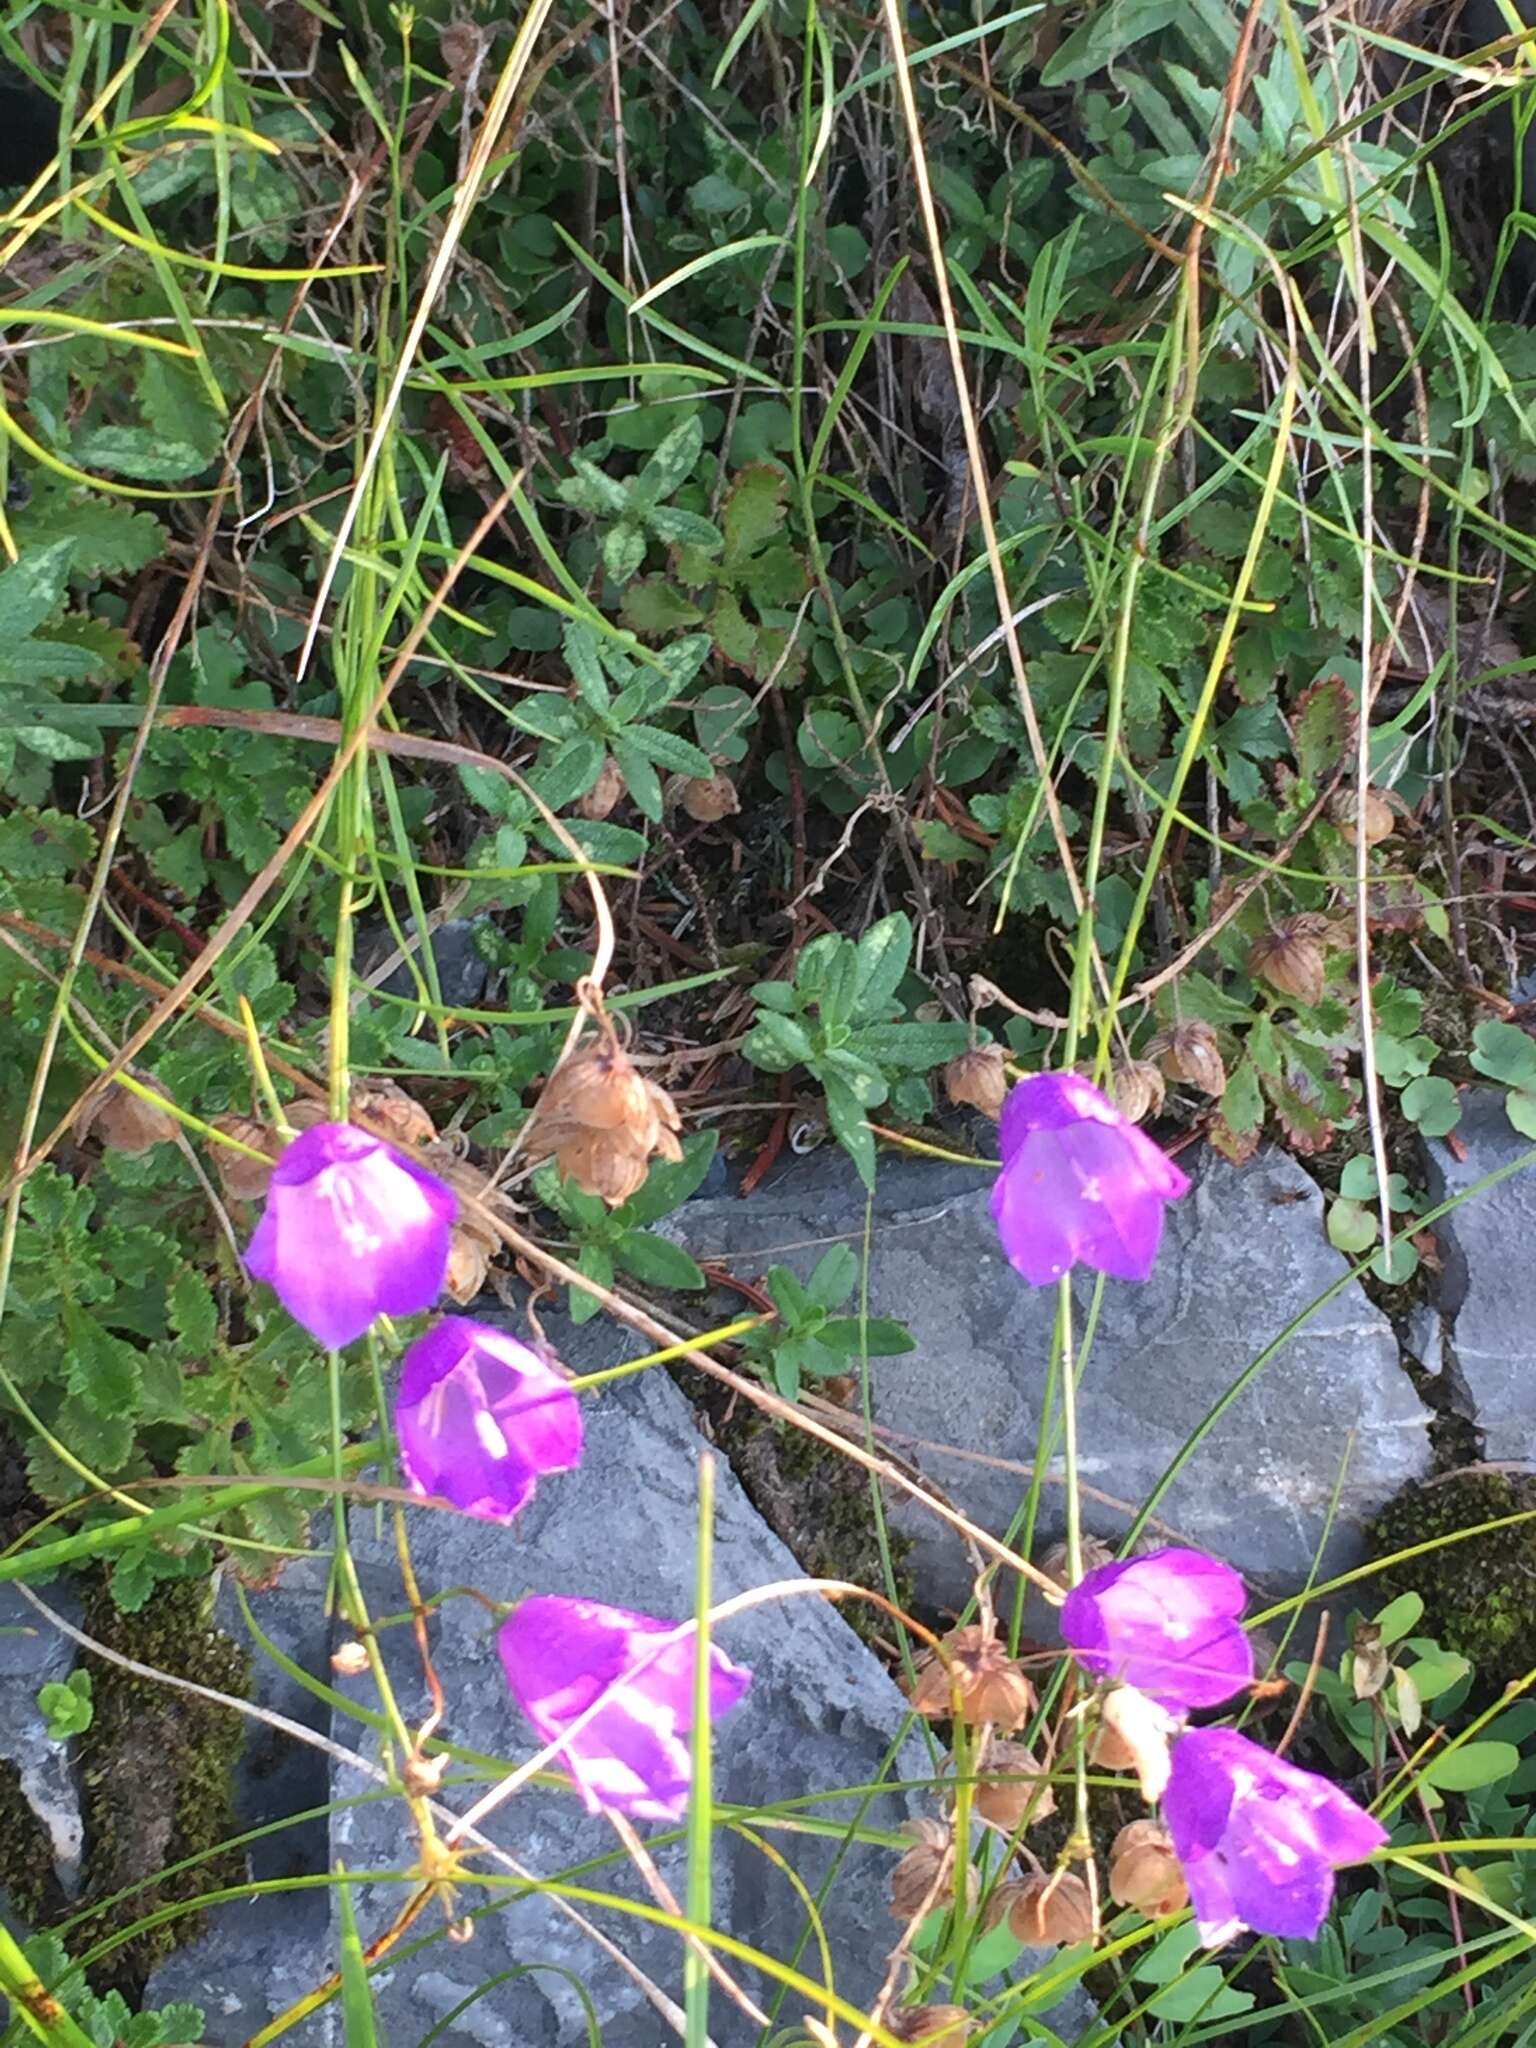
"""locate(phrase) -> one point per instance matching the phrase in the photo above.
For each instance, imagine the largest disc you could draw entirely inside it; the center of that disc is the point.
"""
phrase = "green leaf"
(31, 590)
(789, 1295)
(670, 1182)
(1472, 1766)
(101, 1371)
(194, 1312)
(623, 550)
(1400, 1616)
(1397, 1265)
(836, 1275)
(1357, 1182)
(589, 490)
(1351, 1228)
(584, 660)
(655, 606)
(138, 452)
(1520, 1108)
(1433, 1104)
(918, 1047)
(639, 777)
(1502, 1051)
(851, 1129)
(671, 750)
(596, 1264)
(1107, 32)
(657, 1261)
(672, 463)
(777, 1043)
(883, 953)
(111, 537)
(880, 1336)
(68, 1706)
(677, 528)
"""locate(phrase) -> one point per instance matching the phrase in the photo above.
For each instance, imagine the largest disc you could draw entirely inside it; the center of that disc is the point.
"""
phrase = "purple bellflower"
(352, 1230)
(627, 1679)
(1079, 1182)
(1166, 1623)
(480, 1416)
(1259, 1839)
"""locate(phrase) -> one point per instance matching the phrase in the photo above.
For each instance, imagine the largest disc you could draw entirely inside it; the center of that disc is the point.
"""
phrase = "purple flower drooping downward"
(1259, 1839)
(1079, 1182)
(480, 1416)
(632, 1754)
(1166, 1623)
(352, 1230)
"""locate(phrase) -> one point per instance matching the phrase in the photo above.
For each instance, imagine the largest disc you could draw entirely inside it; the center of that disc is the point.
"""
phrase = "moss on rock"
(26, 1855)
(1479, 1594)
(156, 1775)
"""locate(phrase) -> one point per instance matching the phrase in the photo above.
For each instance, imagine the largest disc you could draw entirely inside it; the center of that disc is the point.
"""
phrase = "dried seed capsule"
(932, 2026)
(1137, 1089)
(350, 1659)
(125, 1122)
(1013, 1791)
(469, 1260)
(1380, 818)
(393, 1113)
(918, 1880)
(1289, 956)
(978, 1080)
(603, 1163)
(604, 793)
(1054, 1562)
(1191, 1053)
(977, 1671)
(708, 798)
(601, 1089)
(1056, 1909)
(1144, 1872)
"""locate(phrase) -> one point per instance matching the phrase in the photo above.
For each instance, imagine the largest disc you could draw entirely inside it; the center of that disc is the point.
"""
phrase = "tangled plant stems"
(353, 1229)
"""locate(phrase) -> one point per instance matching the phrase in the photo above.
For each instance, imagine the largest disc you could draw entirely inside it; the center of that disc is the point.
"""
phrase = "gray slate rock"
(822, 1714)
(463, 974)
(37, 1655)
(1488, 1286)
(1243, 1254)
(258, 1955)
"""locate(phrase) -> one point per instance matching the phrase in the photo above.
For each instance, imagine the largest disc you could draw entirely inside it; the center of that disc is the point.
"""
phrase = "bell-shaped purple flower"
(480, 1416)
(1079, 1182)
(1259, 1839)
(352, 1230)
(627, 1679)
(1166, 1623)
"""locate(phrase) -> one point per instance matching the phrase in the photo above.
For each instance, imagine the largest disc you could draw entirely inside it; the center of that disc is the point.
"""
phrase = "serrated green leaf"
(110, 537)
(671, 750)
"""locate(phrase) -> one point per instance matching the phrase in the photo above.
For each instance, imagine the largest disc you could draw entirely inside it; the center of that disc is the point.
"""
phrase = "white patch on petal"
(488, 1430)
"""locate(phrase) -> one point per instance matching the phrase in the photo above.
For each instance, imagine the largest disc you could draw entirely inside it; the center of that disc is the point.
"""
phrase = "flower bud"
(125, 1122)
(1057, 1909)
(1012, 1790)
(1190, 1053)
(604, 793)
(1380, 818)
(977, 1671)
(707, 798)
(1290, 957)
(1137, 1089)
(1145, 1873)
(350, 1659)
(978, 1080)
(395, 1115)
(932, 2026)
(920, 1880)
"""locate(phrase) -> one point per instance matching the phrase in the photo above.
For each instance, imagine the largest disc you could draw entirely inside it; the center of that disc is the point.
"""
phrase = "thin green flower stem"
(700, 1892)
(33, 2004)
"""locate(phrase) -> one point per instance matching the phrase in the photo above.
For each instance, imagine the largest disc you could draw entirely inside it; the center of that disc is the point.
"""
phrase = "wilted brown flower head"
(932, 2026)
(350, 1659)
(978, 1080)
(125, 1122)
(604, 793)
(1137, 1089)
(600, 1120)
(1013, 1790)
(1380, 818)
(469, 1260)
(1134, 1734)
(706, 798)
(242, 1178)
(920, 1878)
(1057, 1909)
(1144, 1872)
(1371, 1662)
(1189, 1052)
(1055, 1563)
(977, 1670)
(1290, 956)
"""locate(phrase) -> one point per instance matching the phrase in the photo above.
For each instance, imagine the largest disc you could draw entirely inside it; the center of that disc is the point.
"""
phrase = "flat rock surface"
(1487, 1294)
(1243, 1255)
(821, 1715)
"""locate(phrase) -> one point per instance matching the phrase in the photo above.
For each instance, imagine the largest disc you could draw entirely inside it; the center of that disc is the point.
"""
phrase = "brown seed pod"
(604, 793)
(1054, 1562)
(918, 1880)
(932, 2026)
(1145, 1873)
(976, 1670)
(600, 1089)
(1380, 818)
(1289, 956)
(388, 1109)
(1136, 1732)
(469, 1260)
(978, 1080)
(1013, 1791)
(350, 1659)
(1137, 1089)
(242, 1178)
(708, 798)
(1190, 1052)
(1057, 1909)
(125, 1122)
(603, 1163)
